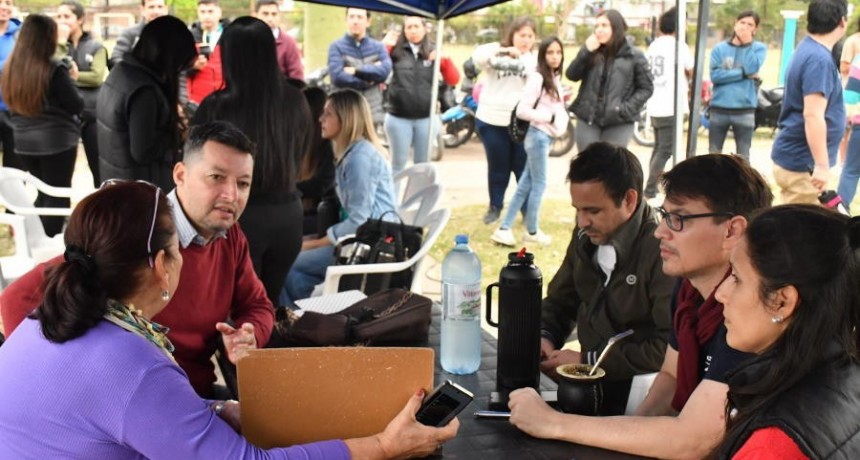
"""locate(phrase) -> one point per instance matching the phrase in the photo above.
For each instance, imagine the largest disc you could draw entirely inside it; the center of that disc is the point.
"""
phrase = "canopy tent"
(435, 9)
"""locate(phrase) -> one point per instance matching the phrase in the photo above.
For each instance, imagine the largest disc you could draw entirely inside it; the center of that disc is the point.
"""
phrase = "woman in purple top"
(92, 377)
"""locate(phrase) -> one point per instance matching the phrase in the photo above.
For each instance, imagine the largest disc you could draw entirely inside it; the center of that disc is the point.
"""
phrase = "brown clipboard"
(298, 395)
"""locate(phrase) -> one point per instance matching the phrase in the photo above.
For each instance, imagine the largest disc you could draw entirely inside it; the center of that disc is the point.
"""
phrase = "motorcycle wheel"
(458, 132)
(561, 145)
(643, 131)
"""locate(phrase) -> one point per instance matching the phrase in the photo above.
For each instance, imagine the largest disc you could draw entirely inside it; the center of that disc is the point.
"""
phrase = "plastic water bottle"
(461, 309)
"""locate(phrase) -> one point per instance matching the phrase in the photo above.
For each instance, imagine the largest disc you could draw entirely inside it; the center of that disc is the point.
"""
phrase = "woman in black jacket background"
(616, 83)
(44, 106)
(140, 128)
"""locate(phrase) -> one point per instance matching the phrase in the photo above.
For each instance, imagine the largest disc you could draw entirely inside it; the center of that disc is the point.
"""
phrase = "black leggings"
(274, 234)
(53, 170)
(90, 138)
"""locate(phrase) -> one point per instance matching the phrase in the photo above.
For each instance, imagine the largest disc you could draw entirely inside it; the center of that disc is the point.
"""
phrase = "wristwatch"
(218, 406)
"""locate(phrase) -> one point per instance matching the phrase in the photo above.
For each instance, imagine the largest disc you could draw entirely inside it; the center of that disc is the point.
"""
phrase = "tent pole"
(701, 40)
(434, 90)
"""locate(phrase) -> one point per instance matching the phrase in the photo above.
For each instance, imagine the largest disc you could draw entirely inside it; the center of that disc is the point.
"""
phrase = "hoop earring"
(165, 296)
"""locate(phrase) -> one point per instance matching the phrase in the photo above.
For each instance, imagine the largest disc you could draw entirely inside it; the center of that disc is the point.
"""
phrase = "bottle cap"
(461, 239)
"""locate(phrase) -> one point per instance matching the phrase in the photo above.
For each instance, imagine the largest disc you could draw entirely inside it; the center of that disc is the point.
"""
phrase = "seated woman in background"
(44, 106)
(316, 172)
(793, 298)
(363, 184)
(92, 336)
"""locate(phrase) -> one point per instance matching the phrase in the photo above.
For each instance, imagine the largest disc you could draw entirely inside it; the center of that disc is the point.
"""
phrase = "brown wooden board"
(298, 395)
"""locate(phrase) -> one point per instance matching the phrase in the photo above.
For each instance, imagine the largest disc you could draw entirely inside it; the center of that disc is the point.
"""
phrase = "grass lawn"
(557, 220)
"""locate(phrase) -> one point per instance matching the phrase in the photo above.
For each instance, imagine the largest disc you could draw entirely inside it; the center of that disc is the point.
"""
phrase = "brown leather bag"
(390, 317)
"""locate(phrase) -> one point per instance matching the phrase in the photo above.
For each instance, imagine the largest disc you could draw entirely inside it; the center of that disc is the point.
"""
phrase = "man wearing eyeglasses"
(610, 280)
(708, 201)
(218, 281)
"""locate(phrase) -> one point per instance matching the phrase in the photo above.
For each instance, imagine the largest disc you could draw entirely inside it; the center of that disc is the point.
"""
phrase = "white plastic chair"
(18, 193)
(419, 205)
(638, 391)
(414, 179)
(16, 265)
(434, 222)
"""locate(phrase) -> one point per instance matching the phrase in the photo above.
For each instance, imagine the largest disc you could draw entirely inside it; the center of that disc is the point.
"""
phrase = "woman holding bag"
(548, 119)
(362, 181)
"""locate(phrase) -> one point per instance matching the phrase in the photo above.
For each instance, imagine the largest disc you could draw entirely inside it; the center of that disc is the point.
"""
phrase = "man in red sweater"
(289, 56)
(217, 281)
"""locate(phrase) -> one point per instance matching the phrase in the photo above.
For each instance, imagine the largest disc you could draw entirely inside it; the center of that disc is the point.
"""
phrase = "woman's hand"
(232, 414)
(314, 243)
(592, 43)
(511, 51)
(405, 437)
(531, 414)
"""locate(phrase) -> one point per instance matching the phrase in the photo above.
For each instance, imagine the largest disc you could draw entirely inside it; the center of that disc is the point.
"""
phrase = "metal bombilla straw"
(609, 344)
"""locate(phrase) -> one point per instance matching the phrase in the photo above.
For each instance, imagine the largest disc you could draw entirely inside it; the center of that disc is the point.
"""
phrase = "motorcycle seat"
(773, 95)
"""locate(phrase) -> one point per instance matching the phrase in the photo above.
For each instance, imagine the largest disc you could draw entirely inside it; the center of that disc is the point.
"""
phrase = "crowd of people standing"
(747, 313)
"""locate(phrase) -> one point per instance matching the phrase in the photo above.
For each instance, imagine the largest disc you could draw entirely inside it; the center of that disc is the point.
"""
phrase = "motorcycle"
(768, 108)
(458, 121)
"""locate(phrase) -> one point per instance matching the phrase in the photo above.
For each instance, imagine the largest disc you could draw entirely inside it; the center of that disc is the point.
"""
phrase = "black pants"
(90, 138)
(53, 170)
(274, 234)
(11, 159)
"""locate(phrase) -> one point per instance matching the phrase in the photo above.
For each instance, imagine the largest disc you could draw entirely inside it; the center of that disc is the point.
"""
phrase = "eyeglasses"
(110, 182)
(675, 221)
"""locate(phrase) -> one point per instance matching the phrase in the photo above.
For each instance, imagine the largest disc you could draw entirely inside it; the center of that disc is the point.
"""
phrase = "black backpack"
(379, 241)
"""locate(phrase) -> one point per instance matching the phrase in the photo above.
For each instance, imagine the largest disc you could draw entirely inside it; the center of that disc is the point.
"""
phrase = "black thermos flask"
(519, 299)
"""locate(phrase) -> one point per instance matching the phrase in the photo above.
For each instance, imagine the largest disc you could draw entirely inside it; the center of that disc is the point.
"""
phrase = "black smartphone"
(446, 401)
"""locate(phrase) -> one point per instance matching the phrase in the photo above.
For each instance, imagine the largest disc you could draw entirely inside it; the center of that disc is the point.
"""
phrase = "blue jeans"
(532, 183)
(404, 134)
(851, 170)
(664, 146)
(504, 156)
(742, 124)
(307, 271)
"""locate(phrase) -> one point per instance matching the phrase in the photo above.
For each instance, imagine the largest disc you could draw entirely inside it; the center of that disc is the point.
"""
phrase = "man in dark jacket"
(359, 62)
(611, 279)
(149, 10)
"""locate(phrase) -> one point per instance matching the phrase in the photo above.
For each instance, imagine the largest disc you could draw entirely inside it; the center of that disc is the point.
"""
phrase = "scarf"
(132, 320)
(696, 321)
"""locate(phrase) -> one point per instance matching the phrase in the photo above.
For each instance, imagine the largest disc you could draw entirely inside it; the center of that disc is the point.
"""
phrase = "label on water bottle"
(461, 301)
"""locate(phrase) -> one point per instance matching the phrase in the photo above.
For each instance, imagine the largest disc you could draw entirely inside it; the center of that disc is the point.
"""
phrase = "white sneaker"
(504, 237)
(540, 238)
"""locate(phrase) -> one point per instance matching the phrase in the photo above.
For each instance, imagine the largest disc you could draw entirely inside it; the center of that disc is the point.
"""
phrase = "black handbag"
(393, 316)
(518, 127)
(379, 241)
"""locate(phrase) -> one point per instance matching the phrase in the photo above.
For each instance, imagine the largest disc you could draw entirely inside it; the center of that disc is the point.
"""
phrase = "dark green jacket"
(636, 297)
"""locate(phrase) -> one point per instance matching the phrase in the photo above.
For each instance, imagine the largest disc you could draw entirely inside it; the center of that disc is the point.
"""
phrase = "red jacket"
(206, 80)
(289, 56)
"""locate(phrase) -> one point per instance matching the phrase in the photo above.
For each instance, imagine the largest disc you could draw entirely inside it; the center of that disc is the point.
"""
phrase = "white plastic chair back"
(420, 205)
(414, 179)
(434, 223)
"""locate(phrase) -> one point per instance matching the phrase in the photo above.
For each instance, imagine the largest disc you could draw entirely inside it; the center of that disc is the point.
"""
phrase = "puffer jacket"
(818, 413)
(156, 148)
(619, 97)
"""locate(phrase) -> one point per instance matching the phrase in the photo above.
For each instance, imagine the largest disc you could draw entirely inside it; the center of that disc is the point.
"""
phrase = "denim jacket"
(364, 186)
